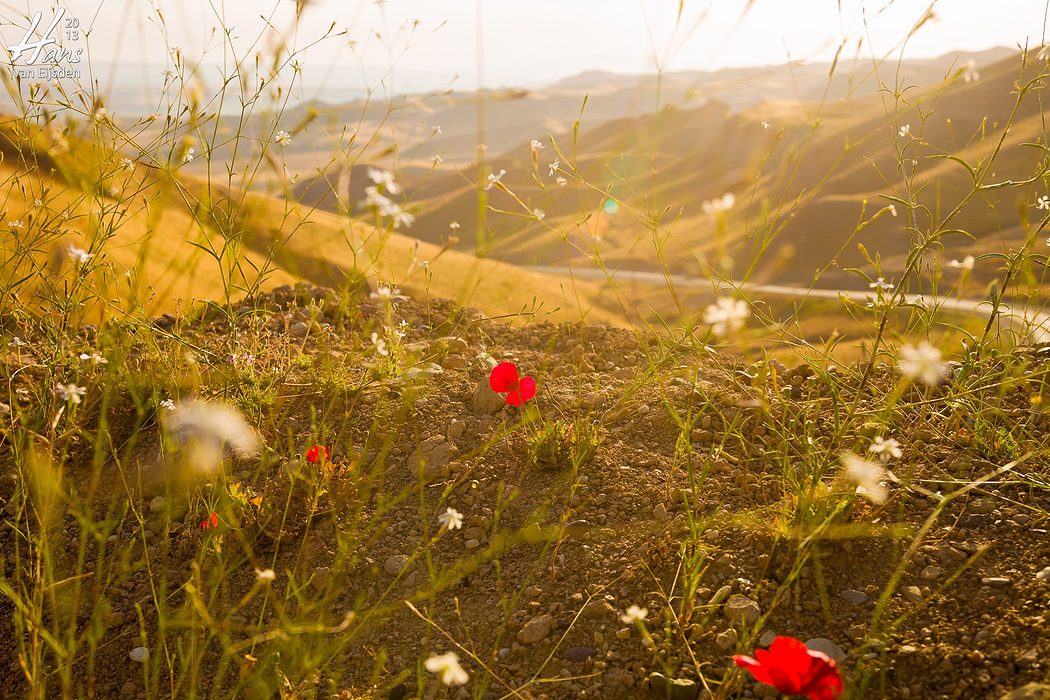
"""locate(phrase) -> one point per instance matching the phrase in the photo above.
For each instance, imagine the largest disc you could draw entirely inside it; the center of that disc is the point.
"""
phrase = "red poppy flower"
(504, 380)
(314, 453)
(793, 669)
(211, 521)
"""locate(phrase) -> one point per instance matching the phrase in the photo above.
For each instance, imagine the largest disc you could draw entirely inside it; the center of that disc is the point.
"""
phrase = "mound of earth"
(710, 500)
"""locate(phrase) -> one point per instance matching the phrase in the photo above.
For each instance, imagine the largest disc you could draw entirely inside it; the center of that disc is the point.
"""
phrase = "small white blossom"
(552, 167)
(881, 284)
(765, 124)
(885, 449)
(970, 74)
(966, 263)
(204, 429)
(726, 315)
(94, 357)
(437, 160)
(454, 225)
(451, 519)
(922, 363)
(1043, 203)
(101, 114)
(79, 254)
(562, 182)
(718, 205)
(495, 179)
(904, 130)
(403, 217)
(282, 137)
(437, 129)
(189, 155)
(893, 209)
(168, 404)
(70, 392)
(127, 163)
(539, 214)
(424, 264)
(447, 668)
(380, 345)
(634, 614)
(537, 145)
(382, 177)
(17, 342)
(868, 477)
(387, 293)
(17, 223)
(265, 575)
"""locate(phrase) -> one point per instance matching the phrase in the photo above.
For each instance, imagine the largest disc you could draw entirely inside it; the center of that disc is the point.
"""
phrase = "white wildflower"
(537, 145)
(553, 167)
(403, 217)
(969, 72)
(495, 179)
(382, 177)
(202, 430)
(765, 124)
(451, 519)
(380, 344)
(885, 449)
(282, 137)
(562, 182)
(893, 209)
(454, 225)
(189, 155)
(70, 392)
(1043, 203)
(539, 214)
(437, 129)
(718, 205)
(634, 614)
(94, 357)
(265, 575)
(168, 404)
(17, 223)
(922, 363)
(437, 160)
(726, 315)
(387, 293)
(447, 668)
(868, 477)
(881, 284)
(966, 263)
(127, 163)
(904, 130)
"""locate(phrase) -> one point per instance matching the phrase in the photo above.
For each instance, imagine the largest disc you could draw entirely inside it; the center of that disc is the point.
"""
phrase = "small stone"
(623, 633)
(472, 544)
(855, 597)
(578, 654)
(157, 505)
(299, 329)
(976, 657)
(129, 690)
(740, 608)
(660, 512)
(767, 638)
(454, 362)
(139, 655)
(398, 692)
(577, 529)
(720, 596)
(1043, 575)
(395, 564)
(432, 456)
(931, 573)
(1028, 659)
(995, 581)
(1032, 691)
(727, 640)
(982, 506)
(485, 400)
(826, 646)
(912, 594)
(536, 629)
(672, 688)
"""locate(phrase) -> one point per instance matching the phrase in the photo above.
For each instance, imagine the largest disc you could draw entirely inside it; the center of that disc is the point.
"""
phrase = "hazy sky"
(528, 43)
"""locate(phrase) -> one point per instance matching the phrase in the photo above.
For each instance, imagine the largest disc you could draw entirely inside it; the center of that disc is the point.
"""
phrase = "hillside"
(699, 487)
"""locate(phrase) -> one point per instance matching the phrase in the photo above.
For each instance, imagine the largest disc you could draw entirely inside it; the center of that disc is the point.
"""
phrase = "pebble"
(767, 638)
(912, 593)
(740, 608)
(931, 572)
(672, 688)
(129, 690)
(855, 597)
(1032, 691)
(1028, 659)
(660, 512)
(726, 640)
(395, 564)
(578, 654)
(720, 596)
(577, 529)
(139, 655)
(995, 581)
(157, 504)
(536, 629)
(485, 400)
(1043, 575)
(826, 646)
